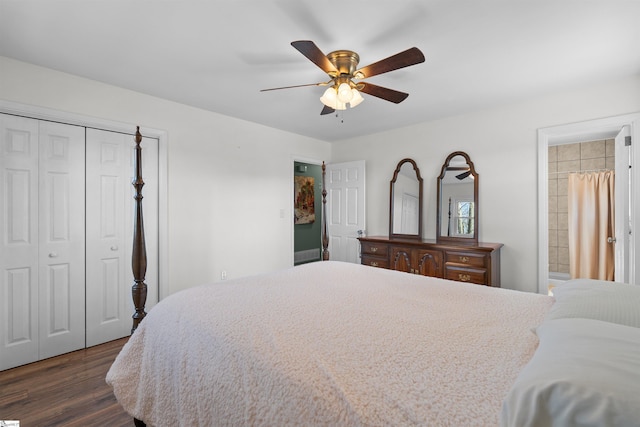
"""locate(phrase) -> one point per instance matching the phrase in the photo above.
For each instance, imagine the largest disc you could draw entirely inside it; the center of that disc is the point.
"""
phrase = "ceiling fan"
(345, 87)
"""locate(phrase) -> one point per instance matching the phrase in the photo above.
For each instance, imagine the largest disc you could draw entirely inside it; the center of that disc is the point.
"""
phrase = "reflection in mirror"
(405, 201)
(405, 209)
(457, 199)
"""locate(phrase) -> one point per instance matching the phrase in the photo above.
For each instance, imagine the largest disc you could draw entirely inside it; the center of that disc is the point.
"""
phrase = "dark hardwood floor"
(67, 390)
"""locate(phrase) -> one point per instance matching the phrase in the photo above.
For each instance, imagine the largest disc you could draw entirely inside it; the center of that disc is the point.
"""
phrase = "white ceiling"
(218, 54)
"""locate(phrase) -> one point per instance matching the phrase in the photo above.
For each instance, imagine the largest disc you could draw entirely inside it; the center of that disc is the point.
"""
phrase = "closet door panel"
(111, 262)
(61, 245)
(110, 212)
(108, 317)
(18, 241)
(17, 318)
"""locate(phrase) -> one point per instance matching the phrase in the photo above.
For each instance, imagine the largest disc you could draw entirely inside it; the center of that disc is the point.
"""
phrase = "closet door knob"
(611, 239)
(114, 248)
(53, 255)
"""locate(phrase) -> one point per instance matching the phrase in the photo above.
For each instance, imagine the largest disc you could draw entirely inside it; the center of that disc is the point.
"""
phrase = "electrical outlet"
(223, 275)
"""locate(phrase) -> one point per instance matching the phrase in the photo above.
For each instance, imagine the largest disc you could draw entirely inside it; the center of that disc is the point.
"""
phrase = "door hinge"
(627, 141)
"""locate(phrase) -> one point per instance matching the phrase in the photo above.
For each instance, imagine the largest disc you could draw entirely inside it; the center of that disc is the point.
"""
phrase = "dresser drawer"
(461, 274)
(472, 259)
(375, 261)
(477, 263)
(376, 249)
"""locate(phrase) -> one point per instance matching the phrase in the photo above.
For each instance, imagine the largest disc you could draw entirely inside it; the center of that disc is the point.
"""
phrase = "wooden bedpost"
(325, 235)
(139, 254)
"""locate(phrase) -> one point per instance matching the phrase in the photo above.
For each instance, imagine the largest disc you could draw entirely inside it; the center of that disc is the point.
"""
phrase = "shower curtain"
(591, 223)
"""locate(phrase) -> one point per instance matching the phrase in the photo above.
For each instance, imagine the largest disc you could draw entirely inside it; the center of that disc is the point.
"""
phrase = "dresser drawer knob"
(464, 259)
(374, 249)
(464, 277)
(374, 264)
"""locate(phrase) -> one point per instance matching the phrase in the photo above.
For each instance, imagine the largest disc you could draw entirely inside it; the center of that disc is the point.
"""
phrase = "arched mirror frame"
(472, 170)
(393, 235)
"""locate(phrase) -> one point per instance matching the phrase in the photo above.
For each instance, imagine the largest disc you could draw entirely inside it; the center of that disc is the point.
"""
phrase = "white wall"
(502, 144)
(228, 179)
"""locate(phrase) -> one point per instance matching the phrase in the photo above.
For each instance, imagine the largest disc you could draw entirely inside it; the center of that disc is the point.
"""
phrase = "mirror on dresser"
(405, 201)
(457, 197)
(457, 257)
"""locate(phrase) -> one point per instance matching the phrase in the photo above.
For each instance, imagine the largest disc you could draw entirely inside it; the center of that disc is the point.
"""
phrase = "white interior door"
(110, 211)
(42, 239)
(61, 245)
(107, 163)
(50, 270)
(18, 241)
(346, 209)
(622, 199)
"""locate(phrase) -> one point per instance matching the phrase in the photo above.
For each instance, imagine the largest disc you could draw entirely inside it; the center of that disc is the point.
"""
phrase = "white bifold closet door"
(66, 218)
(110, 211)
(42, 242)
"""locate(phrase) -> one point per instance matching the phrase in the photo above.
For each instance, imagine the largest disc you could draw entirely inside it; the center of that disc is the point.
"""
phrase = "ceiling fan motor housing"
(345, 61)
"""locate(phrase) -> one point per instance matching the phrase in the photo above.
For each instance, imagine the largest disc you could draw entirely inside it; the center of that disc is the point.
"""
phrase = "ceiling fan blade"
(407, 58)
(326, 110)
(463, 175)
(315, 55)
(382, 92)
(291, 87)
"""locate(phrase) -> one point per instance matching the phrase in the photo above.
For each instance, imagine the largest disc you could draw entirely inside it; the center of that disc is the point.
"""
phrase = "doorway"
(626, 205)
(307, 212)
(345, 210)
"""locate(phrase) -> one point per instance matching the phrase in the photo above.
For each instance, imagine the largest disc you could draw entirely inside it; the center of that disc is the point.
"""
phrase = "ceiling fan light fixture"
(356, 99)
(344, 93)
(330, 99)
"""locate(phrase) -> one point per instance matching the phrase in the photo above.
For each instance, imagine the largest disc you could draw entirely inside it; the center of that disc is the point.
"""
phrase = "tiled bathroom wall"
(582, 156)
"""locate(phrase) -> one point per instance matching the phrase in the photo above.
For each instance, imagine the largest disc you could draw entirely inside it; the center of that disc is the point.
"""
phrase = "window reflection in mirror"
(457, 216)
(461, 213)
(457, 197)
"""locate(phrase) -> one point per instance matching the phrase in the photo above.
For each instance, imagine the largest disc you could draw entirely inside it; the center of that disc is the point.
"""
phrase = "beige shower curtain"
(591, 223)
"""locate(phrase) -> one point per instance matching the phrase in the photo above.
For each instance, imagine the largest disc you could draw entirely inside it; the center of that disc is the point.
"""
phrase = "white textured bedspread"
(331, 344)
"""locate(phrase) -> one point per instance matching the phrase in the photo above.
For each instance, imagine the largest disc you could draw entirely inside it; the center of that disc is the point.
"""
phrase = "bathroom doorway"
(595, 145)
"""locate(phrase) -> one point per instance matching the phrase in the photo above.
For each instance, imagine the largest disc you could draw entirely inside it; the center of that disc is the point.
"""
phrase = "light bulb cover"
(344, 92)
(330, 99)
(356, 99)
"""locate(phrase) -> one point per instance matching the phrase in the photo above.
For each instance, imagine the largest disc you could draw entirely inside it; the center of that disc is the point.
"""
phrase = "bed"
(337, 344)
(328, 343)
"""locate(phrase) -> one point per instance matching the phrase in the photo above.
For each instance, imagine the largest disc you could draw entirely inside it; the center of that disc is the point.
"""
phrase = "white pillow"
(584, 373)
(597, 299)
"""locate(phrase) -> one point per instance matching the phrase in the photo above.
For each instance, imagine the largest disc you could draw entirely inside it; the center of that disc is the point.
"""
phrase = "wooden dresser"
(475, 263)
